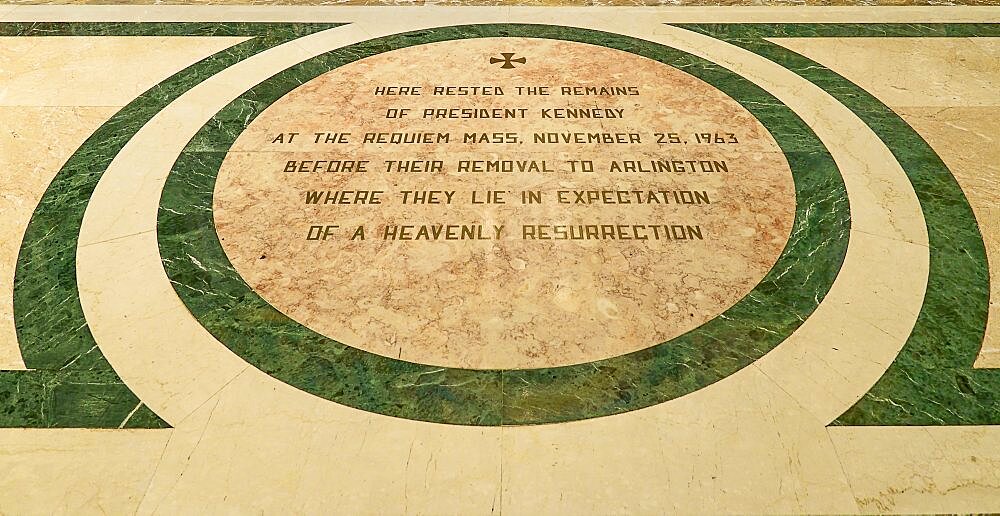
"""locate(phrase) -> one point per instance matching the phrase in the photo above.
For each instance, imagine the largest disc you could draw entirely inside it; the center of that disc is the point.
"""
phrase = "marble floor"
(434, 259)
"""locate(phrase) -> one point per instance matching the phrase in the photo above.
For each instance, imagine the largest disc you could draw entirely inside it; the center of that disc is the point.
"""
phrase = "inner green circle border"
(232, 312)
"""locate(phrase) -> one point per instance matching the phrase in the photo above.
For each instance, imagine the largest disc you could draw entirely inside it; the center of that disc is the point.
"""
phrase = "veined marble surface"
(172, 341)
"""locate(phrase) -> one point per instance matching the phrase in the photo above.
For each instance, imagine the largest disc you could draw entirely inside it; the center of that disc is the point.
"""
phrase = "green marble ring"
(238, 317)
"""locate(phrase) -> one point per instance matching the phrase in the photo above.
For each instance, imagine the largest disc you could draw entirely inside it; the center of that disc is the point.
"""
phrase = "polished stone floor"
(433, 259)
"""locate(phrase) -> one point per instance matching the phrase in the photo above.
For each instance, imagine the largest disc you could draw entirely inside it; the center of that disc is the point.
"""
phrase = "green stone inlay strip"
(94, 398)
(72, 384)
(275, 33)
(932, 381)
(216, 295)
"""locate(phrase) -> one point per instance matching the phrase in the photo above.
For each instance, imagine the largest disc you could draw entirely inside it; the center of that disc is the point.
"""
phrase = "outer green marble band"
(932, 381)
(216, 295)
(72, 384)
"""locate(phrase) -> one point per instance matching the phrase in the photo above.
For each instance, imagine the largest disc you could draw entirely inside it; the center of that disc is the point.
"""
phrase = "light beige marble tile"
(924, 71)
(68, 70)
(741, 446)
(72, 471)
(921, 469)
(262, 446)
(34, 144)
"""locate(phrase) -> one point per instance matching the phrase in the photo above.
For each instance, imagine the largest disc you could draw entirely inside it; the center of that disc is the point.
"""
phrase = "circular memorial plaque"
(504, 203)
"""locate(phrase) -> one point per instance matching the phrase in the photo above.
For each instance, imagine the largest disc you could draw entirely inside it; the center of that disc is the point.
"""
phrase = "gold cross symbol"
(508, 60)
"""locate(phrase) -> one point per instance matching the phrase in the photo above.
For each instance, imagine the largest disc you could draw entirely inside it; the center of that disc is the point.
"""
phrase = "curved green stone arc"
(228, 308)
(71, 383)
(932, 381)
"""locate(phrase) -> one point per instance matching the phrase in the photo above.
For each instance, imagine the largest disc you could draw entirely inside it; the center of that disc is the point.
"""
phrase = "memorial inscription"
(586, 204)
